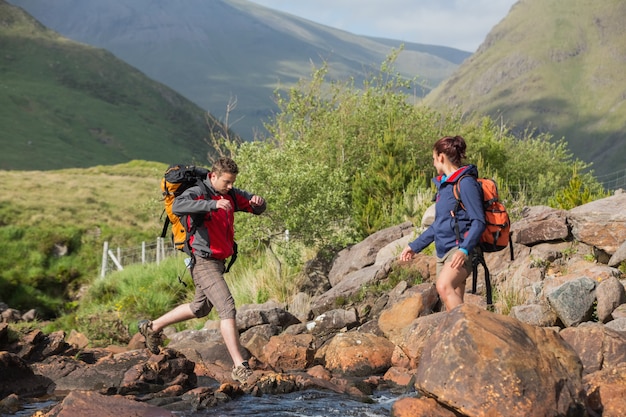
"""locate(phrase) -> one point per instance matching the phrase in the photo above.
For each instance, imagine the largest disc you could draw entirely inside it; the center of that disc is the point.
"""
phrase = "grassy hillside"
(556, 66)
(215, 51)
(53, 225)
(66, 104)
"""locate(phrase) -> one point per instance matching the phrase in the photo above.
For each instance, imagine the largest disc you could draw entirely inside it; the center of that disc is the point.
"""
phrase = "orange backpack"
(497, 234)
(177, 179)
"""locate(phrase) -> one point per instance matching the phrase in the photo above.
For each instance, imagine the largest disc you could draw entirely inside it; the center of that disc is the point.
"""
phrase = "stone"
(534, 314)
(358, 354)
(606, 391)
(93, 404)
(600, 223)
(597, 345)
(287, 352)
(412, 407)
(610, 294)
(493, 352)
(573, 300)
(364, 253)
(540, 224)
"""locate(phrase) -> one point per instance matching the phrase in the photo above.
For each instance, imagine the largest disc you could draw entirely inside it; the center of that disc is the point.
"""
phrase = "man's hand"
(224, 204)
(256, 201)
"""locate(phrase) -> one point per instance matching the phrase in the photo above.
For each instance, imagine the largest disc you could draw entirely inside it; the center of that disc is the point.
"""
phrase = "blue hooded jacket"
(471, 219)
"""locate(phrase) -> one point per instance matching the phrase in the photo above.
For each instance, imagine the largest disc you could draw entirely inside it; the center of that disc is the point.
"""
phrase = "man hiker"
(212, 207)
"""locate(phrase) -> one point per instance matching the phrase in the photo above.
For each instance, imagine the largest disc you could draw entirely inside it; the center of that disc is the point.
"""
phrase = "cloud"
(461, 24)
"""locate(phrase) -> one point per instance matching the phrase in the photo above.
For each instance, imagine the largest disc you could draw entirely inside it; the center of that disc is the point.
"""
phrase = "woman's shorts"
(448, 257)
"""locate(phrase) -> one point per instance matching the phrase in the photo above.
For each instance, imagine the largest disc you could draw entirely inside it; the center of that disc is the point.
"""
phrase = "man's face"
(224, 183)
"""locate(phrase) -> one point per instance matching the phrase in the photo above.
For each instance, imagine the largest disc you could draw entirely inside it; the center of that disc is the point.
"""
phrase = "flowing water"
(310, 403)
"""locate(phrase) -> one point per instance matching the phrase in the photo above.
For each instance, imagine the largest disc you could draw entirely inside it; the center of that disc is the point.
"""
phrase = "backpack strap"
(456, 191)
(166, 224)
(479, 259)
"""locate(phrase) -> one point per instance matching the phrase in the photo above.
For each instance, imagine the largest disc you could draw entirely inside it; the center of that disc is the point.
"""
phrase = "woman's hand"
(458, 260)
(407, 254)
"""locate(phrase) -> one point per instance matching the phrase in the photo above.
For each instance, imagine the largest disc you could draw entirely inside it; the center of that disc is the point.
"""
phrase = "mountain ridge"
(212, 52)
(66, 104)
(553, 67)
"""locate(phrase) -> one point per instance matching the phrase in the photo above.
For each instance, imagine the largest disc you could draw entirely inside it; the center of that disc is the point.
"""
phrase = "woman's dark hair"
(453, 147)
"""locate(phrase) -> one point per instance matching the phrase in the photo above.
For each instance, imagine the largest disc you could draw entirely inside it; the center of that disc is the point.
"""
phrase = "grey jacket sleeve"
(188, 203)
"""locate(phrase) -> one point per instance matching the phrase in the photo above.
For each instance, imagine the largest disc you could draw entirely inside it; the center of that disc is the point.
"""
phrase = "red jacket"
(214, 234)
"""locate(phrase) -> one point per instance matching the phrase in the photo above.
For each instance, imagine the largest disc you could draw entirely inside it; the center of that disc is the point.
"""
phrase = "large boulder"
(540, 224)
(601, 223)
(364, 253)
(482, 363)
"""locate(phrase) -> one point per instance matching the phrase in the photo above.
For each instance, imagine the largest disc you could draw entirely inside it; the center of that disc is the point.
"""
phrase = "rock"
(392, 250)
(350, 285)
(619, 256)
(207, 342)
(364, 253)
(290, 352)
(610, 294)
(540, 224)
(596, 345)
(399, 376)
(358, 354)
(493, 352)
(251, 315)
(419, 300)
(412, 407)
(601, 223)
(619, 312)
(573, 301)
(415, 336)
(316, 275)
(79, 340)
(257, 337)
(130, 372)
(10, 315)
(92, 404)
(606, 391)
(333, 321)
(618, 324)
(16, 377)
(534, 314)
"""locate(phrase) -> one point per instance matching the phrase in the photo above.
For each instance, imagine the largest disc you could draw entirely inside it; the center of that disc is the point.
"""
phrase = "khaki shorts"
(447, 258)
(211, 289)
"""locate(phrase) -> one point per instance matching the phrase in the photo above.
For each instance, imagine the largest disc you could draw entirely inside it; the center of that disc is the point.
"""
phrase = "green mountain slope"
(215, 51)
(557, 66)
(65, 104)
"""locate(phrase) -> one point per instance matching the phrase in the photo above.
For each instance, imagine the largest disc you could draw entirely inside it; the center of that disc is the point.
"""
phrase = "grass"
(53, 225)
(109, 311)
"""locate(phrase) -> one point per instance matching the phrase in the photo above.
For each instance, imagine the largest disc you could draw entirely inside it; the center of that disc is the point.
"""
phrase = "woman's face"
(438, 162)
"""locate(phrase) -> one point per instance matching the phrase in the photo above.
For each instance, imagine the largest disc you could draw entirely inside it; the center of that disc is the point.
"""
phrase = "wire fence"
(114, 259)
(613, 181)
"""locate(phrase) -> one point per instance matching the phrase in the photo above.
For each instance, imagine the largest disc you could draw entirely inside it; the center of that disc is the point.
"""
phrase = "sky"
(460, 24)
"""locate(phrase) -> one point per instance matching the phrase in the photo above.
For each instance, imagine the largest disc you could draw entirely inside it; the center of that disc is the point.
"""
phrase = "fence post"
(103, 269)
(143, 252)
(158, 252)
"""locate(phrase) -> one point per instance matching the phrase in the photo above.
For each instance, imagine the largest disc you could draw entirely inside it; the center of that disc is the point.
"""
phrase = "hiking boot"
(153, 339)
(242, 372)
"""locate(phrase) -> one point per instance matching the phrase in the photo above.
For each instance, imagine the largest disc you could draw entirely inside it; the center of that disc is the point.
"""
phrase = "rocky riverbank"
(554, 344)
